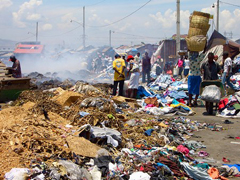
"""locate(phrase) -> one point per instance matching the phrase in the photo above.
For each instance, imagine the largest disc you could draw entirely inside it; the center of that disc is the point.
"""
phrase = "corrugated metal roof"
(28, 49)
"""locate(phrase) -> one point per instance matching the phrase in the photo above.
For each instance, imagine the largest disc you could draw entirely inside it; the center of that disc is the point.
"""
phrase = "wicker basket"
(197, 31)
(199, 20)
(196, 43)
(198, 13)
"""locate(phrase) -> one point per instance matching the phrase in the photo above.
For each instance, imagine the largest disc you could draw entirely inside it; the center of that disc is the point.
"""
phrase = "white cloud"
(168, 19)
(125, 27)
(5, 4)
(47, 27)
(27, 13)
(33, 17)
(94, 17)
(228, 21)
(66, 21)
(147, 24)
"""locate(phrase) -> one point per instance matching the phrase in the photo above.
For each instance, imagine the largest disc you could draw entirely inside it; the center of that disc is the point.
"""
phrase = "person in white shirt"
(137, 58)
(186, 66)
(227, 71)
(134, 78)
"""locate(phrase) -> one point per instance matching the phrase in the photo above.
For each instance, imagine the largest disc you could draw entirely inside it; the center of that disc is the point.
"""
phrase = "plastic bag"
(176, 71)
(73, 169)
(211, 93)
(17, 173)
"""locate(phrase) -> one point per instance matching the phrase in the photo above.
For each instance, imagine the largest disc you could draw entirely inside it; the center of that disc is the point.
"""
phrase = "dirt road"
(218, 142)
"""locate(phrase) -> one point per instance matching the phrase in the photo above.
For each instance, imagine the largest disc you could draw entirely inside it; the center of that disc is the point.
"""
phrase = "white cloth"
(139, 176)
(134, 80)
(227, 63)
(186, 62)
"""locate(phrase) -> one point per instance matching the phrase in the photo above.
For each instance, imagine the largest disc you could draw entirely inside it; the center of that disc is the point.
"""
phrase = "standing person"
(194, 77)
(180, 65)
(124, 58)
(210, 69)
(146, 68)
(134, 79)
(99, 64)
(137, 58)
(227, 71)
(186, 66)
(216, 58)
(119, 76)
(16, 67)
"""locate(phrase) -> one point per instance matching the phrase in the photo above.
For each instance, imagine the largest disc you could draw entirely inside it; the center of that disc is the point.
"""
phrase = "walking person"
(179, 64)
(186, 66)
(119, 76)
(210, 70)
(146, 68)
(227, 71)
(194, 77)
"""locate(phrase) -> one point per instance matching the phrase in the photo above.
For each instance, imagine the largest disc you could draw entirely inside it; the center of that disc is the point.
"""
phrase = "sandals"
(203, 154)
(228, 122)
(226, 160)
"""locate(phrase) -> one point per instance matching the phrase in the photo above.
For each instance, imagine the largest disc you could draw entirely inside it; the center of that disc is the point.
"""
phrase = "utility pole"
(110, 38)
(84, 36)
(217, 15)
(178, 28)
(37, 32)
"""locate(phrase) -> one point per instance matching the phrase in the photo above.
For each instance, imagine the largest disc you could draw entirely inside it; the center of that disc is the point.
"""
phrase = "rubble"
(84, 133)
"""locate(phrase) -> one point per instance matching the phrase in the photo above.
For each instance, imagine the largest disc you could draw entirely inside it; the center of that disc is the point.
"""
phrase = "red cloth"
(222, 103)
(181, 101)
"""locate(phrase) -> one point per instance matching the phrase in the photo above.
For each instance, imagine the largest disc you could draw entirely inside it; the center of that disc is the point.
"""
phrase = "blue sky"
(150, 24)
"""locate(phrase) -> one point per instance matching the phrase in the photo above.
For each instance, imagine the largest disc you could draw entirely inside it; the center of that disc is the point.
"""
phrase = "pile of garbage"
(165, 96)
(229, 107)
(83, 133)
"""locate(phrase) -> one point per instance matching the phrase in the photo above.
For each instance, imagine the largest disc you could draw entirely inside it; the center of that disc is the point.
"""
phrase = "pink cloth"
(149, 105)
(183, 149)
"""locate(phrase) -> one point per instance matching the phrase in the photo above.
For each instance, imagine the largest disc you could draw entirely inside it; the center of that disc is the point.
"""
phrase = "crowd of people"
(191, 66)
(130, 69)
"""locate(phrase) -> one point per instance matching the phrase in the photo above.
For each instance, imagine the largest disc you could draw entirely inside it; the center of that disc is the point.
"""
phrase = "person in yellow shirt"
(119, 76)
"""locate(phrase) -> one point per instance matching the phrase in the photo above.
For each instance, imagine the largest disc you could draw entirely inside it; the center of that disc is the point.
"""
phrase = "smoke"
(67, 64)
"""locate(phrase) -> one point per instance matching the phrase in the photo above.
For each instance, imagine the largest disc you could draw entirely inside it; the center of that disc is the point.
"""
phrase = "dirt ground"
(218, 143)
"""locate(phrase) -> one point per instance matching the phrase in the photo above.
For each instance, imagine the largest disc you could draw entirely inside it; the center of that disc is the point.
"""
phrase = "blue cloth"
(227, 79)
(142, 92)
(194, 84)
(186, 71)
(82, 114)
(148, 132)
(163, 79)
(175, 102)
(233, 165)
(178, 94)
(176, 83)
(165, 166)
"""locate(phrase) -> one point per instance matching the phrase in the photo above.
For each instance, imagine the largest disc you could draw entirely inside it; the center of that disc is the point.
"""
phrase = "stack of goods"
(199, 26)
